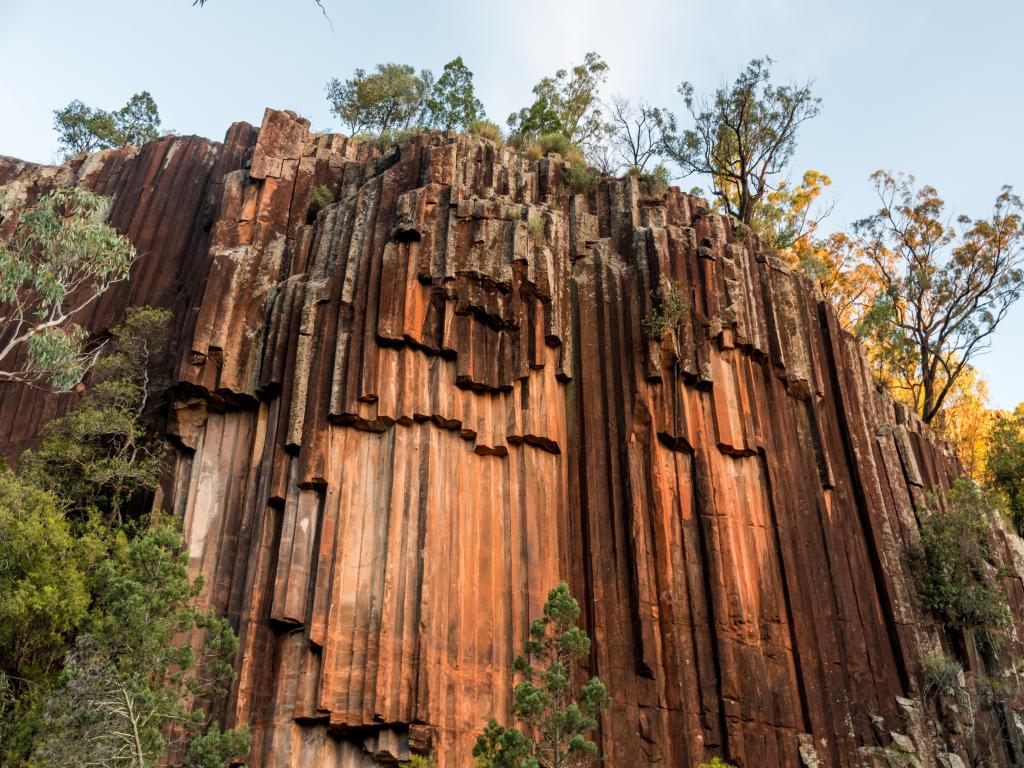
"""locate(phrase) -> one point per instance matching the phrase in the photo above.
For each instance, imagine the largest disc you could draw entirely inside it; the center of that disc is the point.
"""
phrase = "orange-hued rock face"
(398, 424)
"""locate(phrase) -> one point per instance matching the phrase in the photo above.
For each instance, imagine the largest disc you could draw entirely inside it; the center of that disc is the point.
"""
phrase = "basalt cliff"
(399, 421)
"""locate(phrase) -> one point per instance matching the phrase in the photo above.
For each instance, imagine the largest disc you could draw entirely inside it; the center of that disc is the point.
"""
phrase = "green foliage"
(394, 137)
(941, 675)
(716, 762)
(101, 453)
(580, 179)
(108, 600)
(319, 198)
(216, 748)
(126, 679)
(1005, 463)
(501, 747)
(138, 121)
(655, 181)
(556, 143)
(22, 719)
(485, 129)
(452, 103)
(83, 129)
(556, 723)
(950, 564)
(44, 599)
(536, 227)
(60, 258)
(390, 97)
(669, 309)
(43, 590)
(567, 104)
(743, 136)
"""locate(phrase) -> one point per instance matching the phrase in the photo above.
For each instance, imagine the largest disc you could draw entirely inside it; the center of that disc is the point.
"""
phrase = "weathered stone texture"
(399, 424)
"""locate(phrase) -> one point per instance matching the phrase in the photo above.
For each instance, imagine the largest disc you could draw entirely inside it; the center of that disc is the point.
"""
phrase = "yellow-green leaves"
(61, 257)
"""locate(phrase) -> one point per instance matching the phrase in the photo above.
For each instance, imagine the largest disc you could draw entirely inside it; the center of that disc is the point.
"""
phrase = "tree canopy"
(93, 603)
(394, 97)
(567, 103)
(81, 128)
(452, 102)
(743, 135)
(390, 97)
(634, 132)
(1005, 462)
(946, 288)
(61, 257)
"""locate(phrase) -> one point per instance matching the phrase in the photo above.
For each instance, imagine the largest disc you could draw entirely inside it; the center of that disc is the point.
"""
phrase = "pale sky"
(929, 87)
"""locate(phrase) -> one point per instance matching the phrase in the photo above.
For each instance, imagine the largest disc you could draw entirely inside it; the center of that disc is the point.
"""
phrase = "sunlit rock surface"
(399, 422)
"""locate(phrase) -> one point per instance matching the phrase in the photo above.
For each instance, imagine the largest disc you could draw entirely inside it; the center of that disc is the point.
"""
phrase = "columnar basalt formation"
(398, 422)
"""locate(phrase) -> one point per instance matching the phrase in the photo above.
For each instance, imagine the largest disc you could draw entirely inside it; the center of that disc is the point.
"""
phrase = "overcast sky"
(931, 87)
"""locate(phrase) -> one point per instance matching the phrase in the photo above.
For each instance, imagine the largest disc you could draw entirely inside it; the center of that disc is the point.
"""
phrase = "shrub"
(486, 129)
(394, 137)
(656, 181)
(941, 675)
(43, 583)
(100, 455)
(556, 143)
(671, 304)
(580, 179)
(548, 144)
(574, 156)
(319, 198)
(390, 137)
(533, 151)
(950, 562)
(535, 226)
(519, 142)
(716, 762)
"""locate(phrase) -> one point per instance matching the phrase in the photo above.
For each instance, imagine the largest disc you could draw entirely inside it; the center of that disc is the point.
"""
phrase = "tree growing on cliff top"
(567, 103)
(61, 257)
(83, 129)
(452, 102)
(945, 288)
(395, 98)
(634, 131)
(743, 136)
(391, 97)
(556, 722)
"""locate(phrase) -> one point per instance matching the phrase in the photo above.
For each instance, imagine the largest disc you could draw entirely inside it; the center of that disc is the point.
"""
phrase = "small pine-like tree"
(556, 723)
